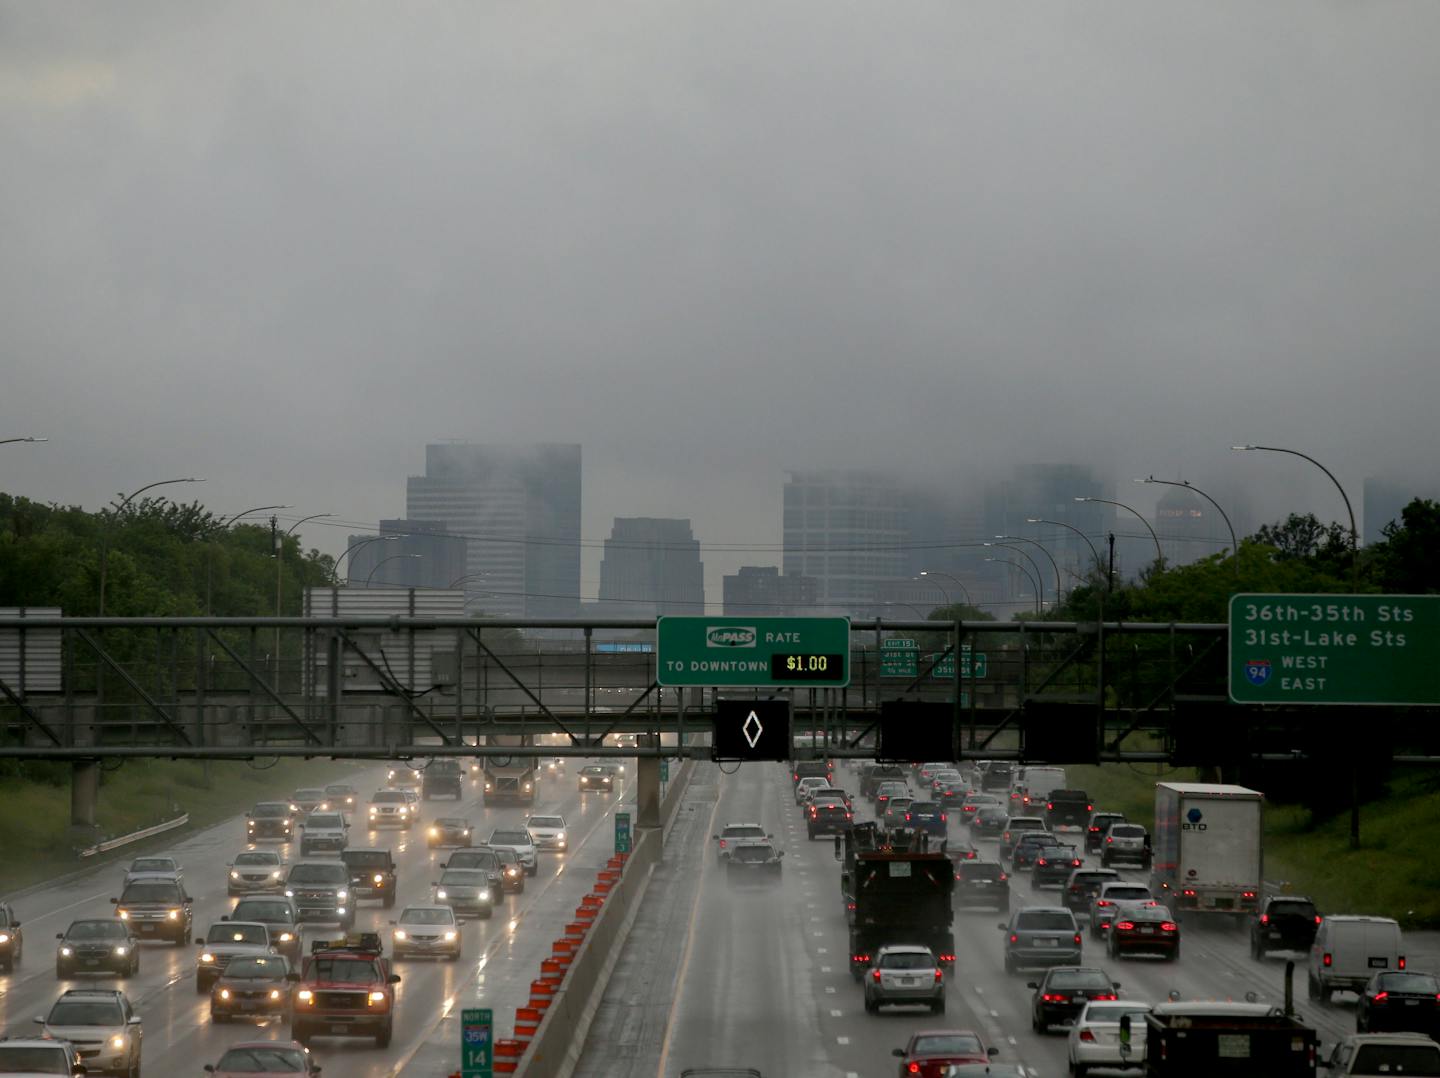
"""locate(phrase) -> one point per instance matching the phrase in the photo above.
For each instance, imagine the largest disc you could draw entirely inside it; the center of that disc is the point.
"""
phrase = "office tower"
(651, 567)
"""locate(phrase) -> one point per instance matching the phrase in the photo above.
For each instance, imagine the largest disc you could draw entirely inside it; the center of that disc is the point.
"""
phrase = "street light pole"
(9, 441)
(1159, 554)
(335, 569)
(1039, 576)
(1185, 484)
(210, 545)
(1030, 576)
(953, 579)
(1354, 534)
(105, 532)
(279, 577)
(382, 561)
(1099, 565)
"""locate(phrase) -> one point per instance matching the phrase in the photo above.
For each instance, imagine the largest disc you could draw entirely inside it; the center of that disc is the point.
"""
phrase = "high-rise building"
(518, 507)
(848, 529)
(651, 567)
(407, 553)
(759, 591)
(1048, 492)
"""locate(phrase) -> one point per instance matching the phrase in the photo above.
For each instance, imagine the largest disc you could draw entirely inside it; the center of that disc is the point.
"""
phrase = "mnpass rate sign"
(753, 652)
(1335, 649)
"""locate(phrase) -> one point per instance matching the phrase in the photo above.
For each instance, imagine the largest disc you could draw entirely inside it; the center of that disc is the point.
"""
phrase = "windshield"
(69, 1012)
(339, 789)
(1127, 893)
(262, 1061)
(907, 960)
(333, 873)
(1078, 978)
(951, 1044)
(1046, 921)
(510, 838)
(743, 832)
(97, 930)
(427, 917)
(1408, 982)
(266, 912)
(230, 932)
(451, 821)
(152, 864)
(485, 859)
(592, 771)
(259, 857)
(1112, 1012)
(150, 891)
(310, 793)
(1292, 909)
(366, 858)
(1127, 830)
(464, 877)
(258, 967)
(547, 821)
(348, 970)
(33, 1059)
(270, 810)
(331, 820)
(386, 797)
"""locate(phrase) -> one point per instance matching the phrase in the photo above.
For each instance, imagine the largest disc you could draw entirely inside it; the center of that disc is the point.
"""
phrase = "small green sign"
(664, 770)
(622, 832)
(753, 652)
(477, 1043)
(971, 666)
(1335, 649)
(899, 658)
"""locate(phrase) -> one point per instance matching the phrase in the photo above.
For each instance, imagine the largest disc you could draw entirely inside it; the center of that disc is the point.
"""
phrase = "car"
(519, 840)
(989, 820)
(226, 941)
(96, 946)
(270, 819)
(904, 974)
(1030, 846)
(951, 792)
(280, 914)
(489, 862)
(594, 777)
(753, 862)
(1283, 923)
(427, 930)
(323, 831)
(1095, 829)
(156, 907)
(1083, 885)
(102, 1025)
(1054, 866)
(896, 809)
(1095, 1036)
(548, 832)
(306, 800)
(321, 891)
(252, 985)
(1041, 936)
(550, 766)
(260, 1059)
(341, 796)
(886, 790)
(1373, 1055)
(807, 784)
(832, 791)
(927, 816)
(820, 769)
(930, 1053)
(1144, 929)
(152, 866)
(1395, 1002)
(981, 883)
(928, 771)
(512, 872)
(1064, 991)
(991, 1070)
(447, 831)
(372, 874)
(872, 775)
(12, 939)
(466, 889)
(1113, 898)
(972, 802)
(996, 776)
(391, 808)
(736, 832)
(940, 779)
(403, 776)
(960, 849)
(1014, 827)
(827, 815)
(255, 872)
(32, 1057)
(1128, 843)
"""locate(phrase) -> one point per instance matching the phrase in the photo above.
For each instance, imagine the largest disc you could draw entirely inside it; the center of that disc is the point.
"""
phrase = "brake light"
(1326, 960)
(1052, 997)
(913, 1068)
(1049, 805)
(1381, 997)
(1103, 902)
(1014, 938)
(1402, 961)
(943, 817)
(1108, 839)
(796, 777)
(1264, 918)
(1003, 876)
(938, 974)
(907, 817)
(1317, 918)
(1075, 863)
(1093, 831)
(1041, 861)
(1089, 808)
(875, 975)
(1168, 926)
(860, 957)
(847, 815)
(944, 958)
(722, 843)
(1247, 894)
(1086, 1036)
(1125, 926)
(1077, 939)
(814, 811)
(1188, 893)
(1106, 995)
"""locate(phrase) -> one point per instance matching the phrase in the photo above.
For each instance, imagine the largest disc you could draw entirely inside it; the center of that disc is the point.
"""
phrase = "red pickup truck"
(345, 989)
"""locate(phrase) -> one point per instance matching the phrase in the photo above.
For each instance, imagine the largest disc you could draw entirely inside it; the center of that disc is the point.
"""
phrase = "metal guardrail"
(136, 836)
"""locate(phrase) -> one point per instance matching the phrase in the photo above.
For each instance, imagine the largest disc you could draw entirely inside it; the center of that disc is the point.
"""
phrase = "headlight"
(373, 810)
(466, 831)
(340, 910)
(527, 787)
(400, 934)
(484, 895)
(174, 915)
(440, 894)
(117, 1041)
(124, 915)
(289, 893)
(224, 993)
(275, 875)
(324, 806)
(66, 951)
(379, 878)
(450, 937)
(122, 951)
(207, 957)
(377, 997)
(286, 937)
(274, 993)
(234, 875)
(403, 810)
(342, 894)
(294, 809)
(305, 996)
(511, 870)
(434, 832)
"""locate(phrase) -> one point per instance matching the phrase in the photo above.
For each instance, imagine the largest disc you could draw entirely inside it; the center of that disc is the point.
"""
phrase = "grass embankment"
(1394, 873)
(35, 815)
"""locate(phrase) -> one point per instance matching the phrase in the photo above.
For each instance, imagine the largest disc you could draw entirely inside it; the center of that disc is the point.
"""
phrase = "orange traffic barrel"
(608, 874)
(541, 989)
(562, 947)
(527, 1021)
(551, 971)
(593, 901)
(576, 929)
(507, 1056)
(602, 887)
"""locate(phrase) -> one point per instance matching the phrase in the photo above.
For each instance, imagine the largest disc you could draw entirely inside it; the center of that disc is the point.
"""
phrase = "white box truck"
(1207, 848)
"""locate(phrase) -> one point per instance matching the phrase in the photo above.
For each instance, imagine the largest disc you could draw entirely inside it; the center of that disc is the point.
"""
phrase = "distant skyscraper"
(651, 567)
(424, 556)
(759, 591)
(1048, 492)
(518, 506)
(1188, 527)
(847, 529)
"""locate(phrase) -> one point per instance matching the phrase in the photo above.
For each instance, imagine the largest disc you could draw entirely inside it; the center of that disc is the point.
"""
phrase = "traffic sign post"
(753, 652)
(622, 832)
(477, 1043)
(1335, 649)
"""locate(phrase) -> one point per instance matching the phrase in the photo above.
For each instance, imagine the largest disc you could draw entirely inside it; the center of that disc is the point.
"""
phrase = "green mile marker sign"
(1335, 649)
(477, 1043)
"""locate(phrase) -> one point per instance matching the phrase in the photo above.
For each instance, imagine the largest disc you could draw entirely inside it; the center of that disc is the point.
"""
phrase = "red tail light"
(1041, 861)
(1125, 926)
(1075, 863)
(1106, 995)
(860, 958)
(1093, 831)
(1247, 894)
(875, 975)
(1108, 840)
(1188, 893)
(1089, 808)
(1049, 805)
(944, 958)
(1086, 1036)
(938, 975)
(1402, 961)
(1052, 997)
(847, 815)
(795, 777)
(907, 817)
(1381, 997)
(1317, 918)
(1014, 938)
(1077, 939)
(913, 1068)
(814, 811)
(1326, 960)
(1103, 902)
(944, 818)
(1003, 876)
(1169, 926)
(1265, 918)
(722, 843)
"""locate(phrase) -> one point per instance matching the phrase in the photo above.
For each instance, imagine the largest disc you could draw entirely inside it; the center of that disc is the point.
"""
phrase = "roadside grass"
(35, 830)
(1394, 873)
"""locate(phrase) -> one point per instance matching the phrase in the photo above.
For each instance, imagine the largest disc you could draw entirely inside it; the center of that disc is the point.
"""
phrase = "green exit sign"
(1335, 649)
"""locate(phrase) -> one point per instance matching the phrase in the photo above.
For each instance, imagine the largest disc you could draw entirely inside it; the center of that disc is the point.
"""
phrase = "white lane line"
(824, 969)
(842, 1040)
(837, 1014)
(830, 989)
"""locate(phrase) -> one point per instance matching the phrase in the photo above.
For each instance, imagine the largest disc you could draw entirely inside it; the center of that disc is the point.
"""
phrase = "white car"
(391, 808)
(548, 832)
(805, 785)
(1095, 1036)
(427, 930)
(34, 1057)
(323, 831)
(519, 840)
(152, 866)
(102, 1026)
(255, 872)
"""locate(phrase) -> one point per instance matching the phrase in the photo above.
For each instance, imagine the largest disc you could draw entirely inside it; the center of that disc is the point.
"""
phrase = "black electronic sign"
(751, 730)
(913, 731)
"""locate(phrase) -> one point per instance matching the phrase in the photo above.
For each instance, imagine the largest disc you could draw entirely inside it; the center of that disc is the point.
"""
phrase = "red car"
(930, 1052)
(264, 1059)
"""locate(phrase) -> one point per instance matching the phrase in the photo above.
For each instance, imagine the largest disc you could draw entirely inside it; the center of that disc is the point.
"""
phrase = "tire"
(1039, 1027)
(938, 1007)
(300, 1032)
(488, 913)
(60, 971)
(389, 900)
(201, 988)
(453, 956)
(1079, 1070)
(1010, 966)
(1326, 993)
(382, 1039)
(1312, 991)
(8, 966)
(134, 1069)
(871, 1007)
(533, 870)
(219, 1018)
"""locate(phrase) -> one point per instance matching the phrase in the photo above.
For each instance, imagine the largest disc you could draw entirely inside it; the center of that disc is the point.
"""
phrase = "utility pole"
(1110, 577)
(277, 549)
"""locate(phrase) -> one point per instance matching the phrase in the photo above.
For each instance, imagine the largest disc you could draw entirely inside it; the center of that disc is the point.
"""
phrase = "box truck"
(1207, 855)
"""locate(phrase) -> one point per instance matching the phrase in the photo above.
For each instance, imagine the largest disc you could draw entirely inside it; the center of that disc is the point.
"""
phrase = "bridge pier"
(84, 792)
(647, 791)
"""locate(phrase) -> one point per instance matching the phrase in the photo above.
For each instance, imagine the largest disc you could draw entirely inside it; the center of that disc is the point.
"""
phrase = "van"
(1038, 782)
(1348, 951)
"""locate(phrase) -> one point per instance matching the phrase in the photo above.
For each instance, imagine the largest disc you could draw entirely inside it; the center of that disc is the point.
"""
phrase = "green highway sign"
(971, 666)
(753, 652)
(664, 770)
(899, 657)
(477, 1042)
(622, 832)
(1335, 649)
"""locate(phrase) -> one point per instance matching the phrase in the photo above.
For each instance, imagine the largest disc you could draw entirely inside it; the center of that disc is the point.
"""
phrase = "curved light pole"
(1059, 584)
(105, 535)
(8, 441)
(468, 576)
(953, 579)
(279, 578)
(335, 569)
(1039, 576)
(1159, 554)
(1099, 565)
(1185, 484)
(1354, 534)
(913, 609)
(210, 546)
(1029, 576)
(313, 516)
(382, 561)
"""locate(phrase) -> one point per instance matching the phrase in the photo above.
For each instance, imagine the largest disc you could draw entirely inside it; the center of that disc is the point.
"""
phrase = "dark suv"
(372, 874)
(321, 890)
(442, 778)
(270, 819)
(94, 946)
(875, 774)
(1284, 923)
(12, 940)
(981, 883)
(156, 907)
(1041, 936)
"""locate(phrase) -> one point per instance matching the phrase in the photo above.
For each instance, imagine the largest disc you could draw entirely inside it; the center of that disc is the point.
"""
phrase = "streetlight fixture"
(210, 547)
(8, 441)
(955, 580)
(1185, 484)
(1099, 565)
(1354, 534)
(335, 569)
(1039, 576)
(382, 561)
(1030, 576)
(907, 606)
(105, 535)
(1059, 583)
(1159, 554)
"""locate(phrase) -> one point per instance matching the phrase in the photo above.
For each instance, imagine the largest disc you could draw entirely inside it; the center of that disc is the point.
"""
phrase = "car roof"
(744, 824)
(102, 993)
(430, 905)
(905, 948)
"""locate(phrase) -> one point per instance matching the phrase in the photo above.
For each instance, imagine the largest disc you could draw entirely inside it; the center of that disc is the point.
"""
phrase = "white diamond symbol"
(752, 736)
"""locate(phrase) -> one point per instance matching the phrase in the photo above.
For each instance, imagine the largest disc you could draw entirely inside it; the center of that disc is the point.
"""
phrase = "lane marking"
(837, 1014)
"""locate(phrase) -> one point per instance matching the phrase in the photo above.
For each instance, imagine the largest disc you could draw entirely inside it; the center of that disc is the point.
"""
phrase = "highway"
(502, 955)
(760, 978)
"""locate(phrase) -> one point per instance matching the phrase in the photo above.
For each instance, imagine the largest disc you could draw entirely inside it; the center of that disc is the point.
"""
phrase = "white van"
(1037, 782)
(1348, 951)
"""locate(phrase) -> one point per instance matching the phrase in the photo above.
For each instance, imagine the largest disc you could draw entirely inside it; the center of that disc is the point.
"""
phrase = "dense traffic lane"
(501, 955)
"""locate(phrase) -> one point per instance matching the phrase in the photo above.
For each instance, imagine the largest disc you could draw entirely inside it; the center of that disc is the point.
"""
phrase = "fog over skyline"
(285, 246)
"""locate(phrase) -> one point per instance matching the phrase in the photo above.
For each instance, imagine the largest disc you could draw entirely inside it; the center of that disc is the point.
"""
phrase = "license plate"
(1047, 943)
(92, 961)
(1379, 963)
(151, 928)
(337, 1029)
(248, 1004)
(907, 981)
(1147, 930)
(1412, 1003)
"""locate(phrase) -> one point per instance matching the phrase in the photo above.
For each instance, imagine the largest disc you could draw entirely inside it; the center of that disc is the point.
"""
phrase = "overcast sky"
(282, 246)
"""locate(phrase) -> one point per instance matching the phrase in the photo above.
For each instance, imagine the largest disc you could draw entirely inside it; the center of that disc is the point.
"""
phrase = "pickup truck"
(345, 989)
